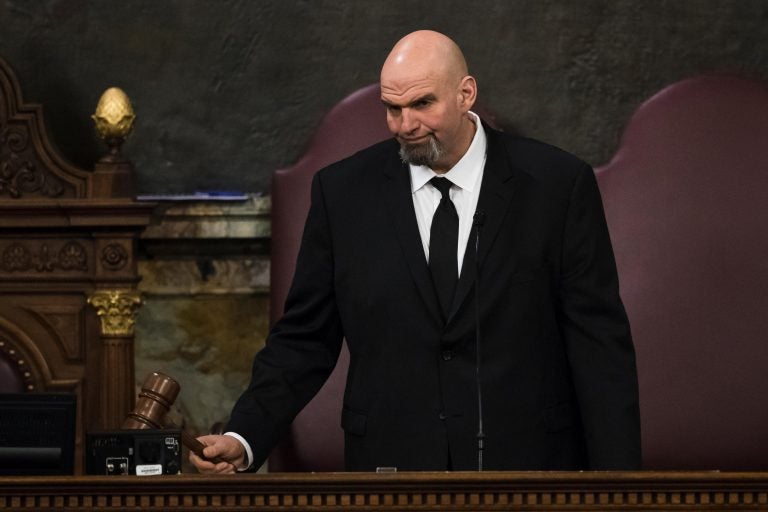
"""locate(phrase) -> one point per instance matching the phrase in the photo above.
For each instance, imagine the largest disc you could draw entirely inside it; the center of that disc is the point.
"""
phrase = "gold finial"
(114, 120)
(117, 310)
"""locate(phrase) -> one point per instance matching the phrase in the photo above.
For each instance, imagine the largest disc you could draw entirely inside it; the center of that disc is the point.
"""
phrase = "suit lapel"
(496, 194)
(397, 191)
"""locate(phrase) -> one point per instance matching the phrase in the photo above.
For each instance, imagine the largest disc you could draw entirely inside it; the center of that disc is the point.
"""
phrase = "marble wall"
(205, 283)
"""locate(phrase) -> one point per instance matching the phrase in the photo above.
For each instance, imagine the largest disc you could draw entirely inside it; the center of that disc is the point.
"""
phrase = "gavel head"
(157, 395)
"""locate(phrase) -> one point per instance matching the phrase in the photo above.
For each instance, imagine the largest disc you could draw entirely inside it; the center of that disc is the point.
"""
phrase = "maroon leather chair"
(686, 198)
(316, 441)
(10, 376)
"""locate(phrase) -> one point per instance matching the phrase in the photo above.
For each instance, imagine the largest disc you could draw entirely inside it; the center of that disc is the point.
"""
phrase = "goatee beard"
(426, 153)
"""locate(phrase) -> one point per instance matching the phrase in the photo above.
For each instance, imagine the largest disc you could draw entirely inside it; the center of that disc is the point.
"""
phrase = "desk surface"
(449, 491)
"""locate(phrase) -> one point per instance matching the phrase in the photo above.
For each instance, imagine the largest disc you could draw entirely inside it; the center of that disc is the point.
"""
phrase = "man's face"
(425, 116)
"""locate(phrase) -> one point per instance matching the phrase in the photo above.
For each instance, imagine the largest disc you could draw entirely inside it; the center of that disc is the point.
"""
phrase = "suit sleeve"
(303, 346)
(597, 333)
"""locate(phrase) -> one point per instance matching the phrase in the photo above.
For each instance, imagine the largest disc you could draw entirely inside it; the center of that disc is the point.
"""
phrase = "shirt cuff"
(248, 453)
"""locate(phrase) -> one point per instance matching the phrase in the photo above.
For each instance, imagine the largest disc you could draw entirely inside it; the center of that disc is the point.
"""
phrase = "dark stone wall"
(226, 91)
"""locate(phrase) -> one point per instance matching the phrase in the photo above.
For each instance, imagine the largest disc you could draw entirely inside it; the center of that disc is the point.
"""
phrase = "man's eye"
(393, 109)
(421, 104)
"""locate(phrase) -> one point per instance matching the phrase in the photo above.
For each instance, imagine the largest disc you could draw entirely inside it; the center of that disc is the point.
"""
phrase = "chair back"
(686, 199)
(10, 377)
(315, 441)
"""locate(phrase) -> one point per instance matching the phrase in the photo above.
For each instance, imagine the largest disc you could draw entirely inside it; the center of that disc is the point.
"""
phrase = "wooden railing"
(460, 491)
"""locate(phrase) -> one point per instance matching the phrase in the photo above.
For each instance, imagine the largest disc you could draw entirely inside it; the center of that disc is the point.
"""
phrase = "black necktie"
(443, 245)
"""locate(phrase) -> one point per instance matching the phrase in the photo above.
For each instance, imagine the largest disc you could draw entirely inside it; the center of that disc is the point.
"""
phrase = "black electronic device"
(133, 452)
(37, 433)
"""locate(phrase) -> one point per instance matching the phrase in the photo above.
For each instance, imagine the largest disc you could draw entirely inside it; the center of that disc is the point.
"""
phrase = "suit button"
(442, 416)
(447, 355)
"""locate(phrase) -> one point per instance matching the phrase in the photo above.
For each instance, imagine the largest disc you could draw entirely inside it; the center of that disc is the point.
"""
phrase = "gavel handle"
(196, 446)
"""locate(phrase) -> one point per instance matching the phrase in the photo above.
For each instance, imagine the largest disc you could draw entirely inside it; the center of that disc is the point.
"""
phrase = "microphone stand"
(478, 221)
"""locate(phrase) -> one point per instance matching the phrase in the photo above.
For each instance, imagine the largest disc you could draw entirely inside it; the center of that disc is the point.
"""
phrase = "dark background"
(227, 91)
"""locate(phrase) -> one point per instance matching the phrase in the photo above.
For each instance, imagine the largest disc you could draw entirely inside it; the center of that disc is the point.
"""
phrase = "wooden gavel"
(158, 392)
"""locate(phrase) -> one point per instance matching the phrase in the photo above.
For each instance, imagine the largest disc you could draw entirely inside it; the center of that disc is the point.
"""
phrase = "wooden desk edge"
(450, 491)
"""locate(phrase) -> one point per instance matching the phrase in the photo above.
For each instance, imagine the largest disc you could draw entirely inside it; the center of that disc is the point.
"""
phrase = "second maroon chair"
(686, 199)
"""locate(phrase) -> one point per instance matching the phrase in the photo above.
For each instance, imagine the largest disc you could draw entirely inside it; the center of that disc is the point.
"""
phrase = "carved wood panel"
(66, 235)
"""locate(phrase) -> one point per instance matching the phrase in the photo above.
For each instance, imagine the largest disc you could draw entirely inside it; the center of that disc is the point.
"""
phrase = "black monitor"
(37, 433)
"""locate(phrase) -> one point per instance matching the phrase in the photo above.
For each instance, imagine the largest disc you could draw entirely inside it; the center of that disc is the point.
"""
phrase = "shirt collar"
(464, 173)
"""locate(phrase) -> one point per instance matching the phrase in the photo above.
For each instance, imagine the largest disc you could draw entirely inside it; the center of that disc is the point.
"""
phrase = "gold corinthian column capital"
(117, 310)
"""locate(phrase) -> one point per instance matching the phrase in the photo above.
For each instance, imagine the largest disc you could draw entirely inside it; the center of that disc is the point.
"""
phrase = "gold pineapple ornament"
(114, 119)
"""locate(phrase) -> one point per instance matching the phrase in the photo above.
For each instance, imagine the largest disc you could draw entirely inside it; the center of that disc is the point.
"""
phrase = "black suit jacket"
(558, 367)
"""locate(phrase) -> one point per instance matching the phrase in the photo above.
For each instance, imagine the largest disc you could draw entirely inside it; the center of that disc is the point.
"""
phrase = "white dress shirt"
(466, 176)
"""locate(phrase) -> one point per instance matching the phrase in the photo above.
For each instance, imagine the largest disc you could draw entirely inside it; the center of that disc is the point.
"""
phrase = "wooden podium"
(460, 491)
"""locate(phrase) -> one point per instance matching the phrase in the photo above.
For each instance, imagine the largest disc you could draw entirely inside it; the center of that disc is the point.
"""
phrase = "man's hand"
(226, 448)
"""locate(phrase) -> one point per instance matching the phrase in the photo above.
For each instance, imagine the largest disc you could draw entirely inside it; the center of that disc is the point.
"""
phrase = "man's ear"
(467, 93)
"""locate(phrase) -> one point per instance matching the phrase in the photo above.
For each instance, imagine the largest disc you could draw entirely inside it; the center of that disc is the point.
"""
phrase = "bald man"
(389, 262)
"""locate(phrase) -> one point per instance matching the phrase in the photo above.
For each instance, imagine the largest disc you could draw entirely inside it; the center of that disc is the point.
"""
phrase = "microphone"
(478, 221)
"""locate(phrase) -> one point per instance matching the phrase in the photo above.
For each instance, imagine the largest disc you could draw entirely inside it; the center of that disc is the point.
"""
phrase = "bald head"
(428, 94)
(427, 53)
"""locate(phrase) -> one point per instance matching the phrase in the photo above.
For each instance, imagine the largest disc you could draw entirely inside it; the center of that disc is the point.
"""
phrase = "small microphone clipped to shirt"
(478, 219)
